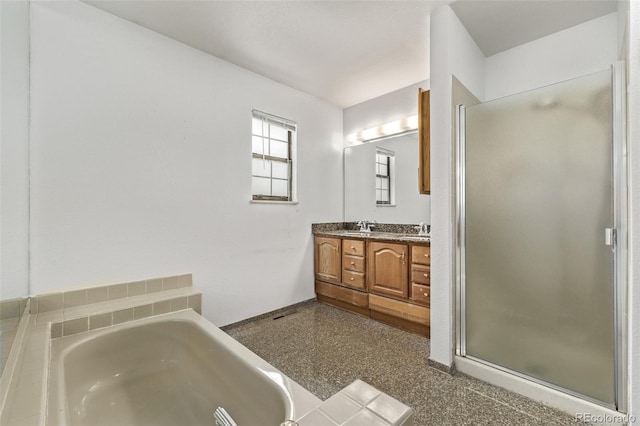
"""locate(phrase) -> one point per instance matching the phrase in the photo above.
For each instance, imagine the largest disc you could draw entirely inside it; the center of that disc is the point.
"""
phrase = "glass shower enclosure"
(536, 232)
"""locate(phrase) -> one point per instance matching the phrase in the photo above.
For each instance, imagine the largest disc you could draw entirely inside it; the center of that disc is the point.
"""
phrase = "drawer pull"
(353, 248)
(426, 255)
(353, 263)
(351, 278)
(426, 294)
(426, 275)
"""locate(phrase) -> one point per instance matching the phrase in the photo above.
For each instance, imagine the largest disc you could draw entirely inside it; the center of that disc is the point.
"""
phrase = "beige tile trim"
(14, 357)
(97, 320)
(86, 296)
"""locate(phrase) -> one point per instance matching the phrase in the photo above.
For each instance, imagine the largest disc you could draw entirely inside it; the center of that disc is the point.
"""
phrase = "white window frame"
(268, 122)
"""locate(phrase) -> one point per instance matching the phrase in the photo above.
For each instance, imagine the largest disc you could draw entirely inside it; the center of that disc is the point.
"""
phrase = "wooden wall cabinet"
(387, 269)
(328, 259)
(424, 137)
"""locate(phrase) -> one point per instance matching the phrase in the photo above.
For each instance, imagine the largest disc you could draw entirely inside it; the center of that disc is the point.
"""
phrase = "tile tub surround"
(325, 349)
(168, 369)
(27, 397)
(85, 296)
(25, 389)
(10, 313)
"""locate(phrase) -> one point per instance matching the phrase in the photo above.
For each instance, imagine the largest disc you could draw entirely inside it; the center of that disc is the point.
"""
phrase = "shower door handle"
(610, 236)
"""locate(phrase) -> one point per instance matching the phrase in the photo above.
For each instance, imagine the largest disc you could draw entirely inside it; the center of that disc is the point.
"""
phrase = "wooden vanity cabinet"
(328, 259)
(383, 280)
(387, 269)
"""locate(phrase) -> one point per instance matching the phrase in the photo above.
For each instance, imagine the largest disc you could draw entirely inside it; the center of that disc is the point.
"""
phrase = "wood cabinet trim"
(424, 137)
(396, 308)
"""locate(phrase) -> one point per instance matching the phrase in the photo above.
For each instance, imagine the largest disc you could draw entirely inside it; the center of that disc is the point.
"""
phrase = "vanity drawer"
(353, 247)
(353, 263)
(353, 279)
(421, 294)
(420, 274)
(421, 254)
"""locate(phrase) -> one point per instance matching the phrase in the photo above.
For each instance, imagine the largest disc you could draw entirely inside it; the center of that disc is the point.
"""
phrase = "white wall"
(580, 50)
(383, 109)
(453, 52)
(14, 149)
(140, 166)
(359, 183)
(633, 116)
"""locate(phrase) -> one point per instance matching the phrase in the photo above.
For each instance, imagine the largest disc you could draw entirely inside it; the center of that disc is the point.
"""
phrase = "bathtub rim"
(299, 401)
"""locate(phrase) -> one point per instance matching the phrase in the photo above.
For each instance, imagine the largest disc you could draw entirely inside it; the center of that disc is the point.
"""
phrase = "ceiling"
(498, 25)
(342, 51)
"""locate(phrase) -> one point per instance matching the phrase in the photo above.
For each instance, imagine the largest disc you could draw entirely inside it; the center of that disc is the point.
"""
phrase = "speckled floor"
(325, 349)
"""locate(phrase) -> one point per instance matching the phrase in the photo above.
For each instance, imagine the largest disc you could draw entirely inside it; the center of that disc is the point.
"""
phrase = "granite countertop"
(373, 235)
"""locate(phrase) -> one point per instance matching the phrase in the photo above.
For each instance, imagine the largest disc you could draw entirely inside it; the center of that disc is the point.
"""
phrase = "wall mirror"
(381, 182)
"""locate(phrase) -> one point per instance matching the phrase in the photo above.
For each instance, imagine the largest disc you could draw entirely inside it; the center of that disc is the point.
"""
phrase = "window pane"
(260, 167)
(379, 195)
(383, 169)
(280, 187)
(256, 126)
(385, 184)
(257, 145)
(278, 132)
(261, 186)
(280, 170)
(378, 183)
(279, 149)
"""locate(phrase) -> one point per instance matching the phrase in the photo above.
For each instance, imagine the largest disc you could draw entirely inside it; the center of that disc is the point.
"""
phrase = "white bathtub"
(173, 369)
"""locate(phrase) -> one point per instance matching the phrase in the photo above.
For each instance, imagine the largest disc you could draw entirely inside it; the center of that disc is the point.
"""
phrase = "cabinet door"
(328, 256)
(387, 269)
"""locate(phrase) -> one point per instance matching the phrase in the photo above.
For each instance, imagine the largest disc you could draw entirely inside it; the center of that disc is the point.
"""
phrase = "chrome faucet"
(366, 225)
(423, 229)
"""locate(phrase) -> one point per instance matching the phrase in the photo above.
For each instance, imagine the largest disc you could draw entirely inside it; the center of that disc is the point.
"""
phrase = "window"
(384, 171)
(273, 141)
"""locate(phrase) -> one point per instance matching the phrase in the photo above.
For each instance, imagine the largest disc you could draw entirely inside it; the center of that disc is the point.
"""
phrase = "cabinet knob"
(351, 278)
(426, 275)
(426, 255)
(426, 294)
(353, 248)
(353, 263)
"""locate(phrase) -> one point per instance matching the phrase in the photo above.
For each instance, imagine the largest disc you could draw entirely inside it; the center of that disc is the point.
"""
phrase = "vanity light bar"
(392, 128)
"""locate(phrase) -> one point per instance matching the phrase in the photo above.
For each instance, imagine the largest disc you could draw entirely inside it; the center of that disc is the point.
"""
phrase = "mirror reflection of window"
(384, 177)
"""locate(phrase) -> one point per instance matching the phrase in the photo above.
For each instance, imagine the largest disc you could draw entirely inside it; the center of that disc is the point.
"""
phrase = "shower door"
(536, 232)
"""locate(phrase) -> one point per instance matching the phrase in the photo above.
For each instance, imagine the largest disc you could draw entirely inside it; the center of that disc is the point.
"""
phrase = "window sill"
(385, 205)
(273, 202)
